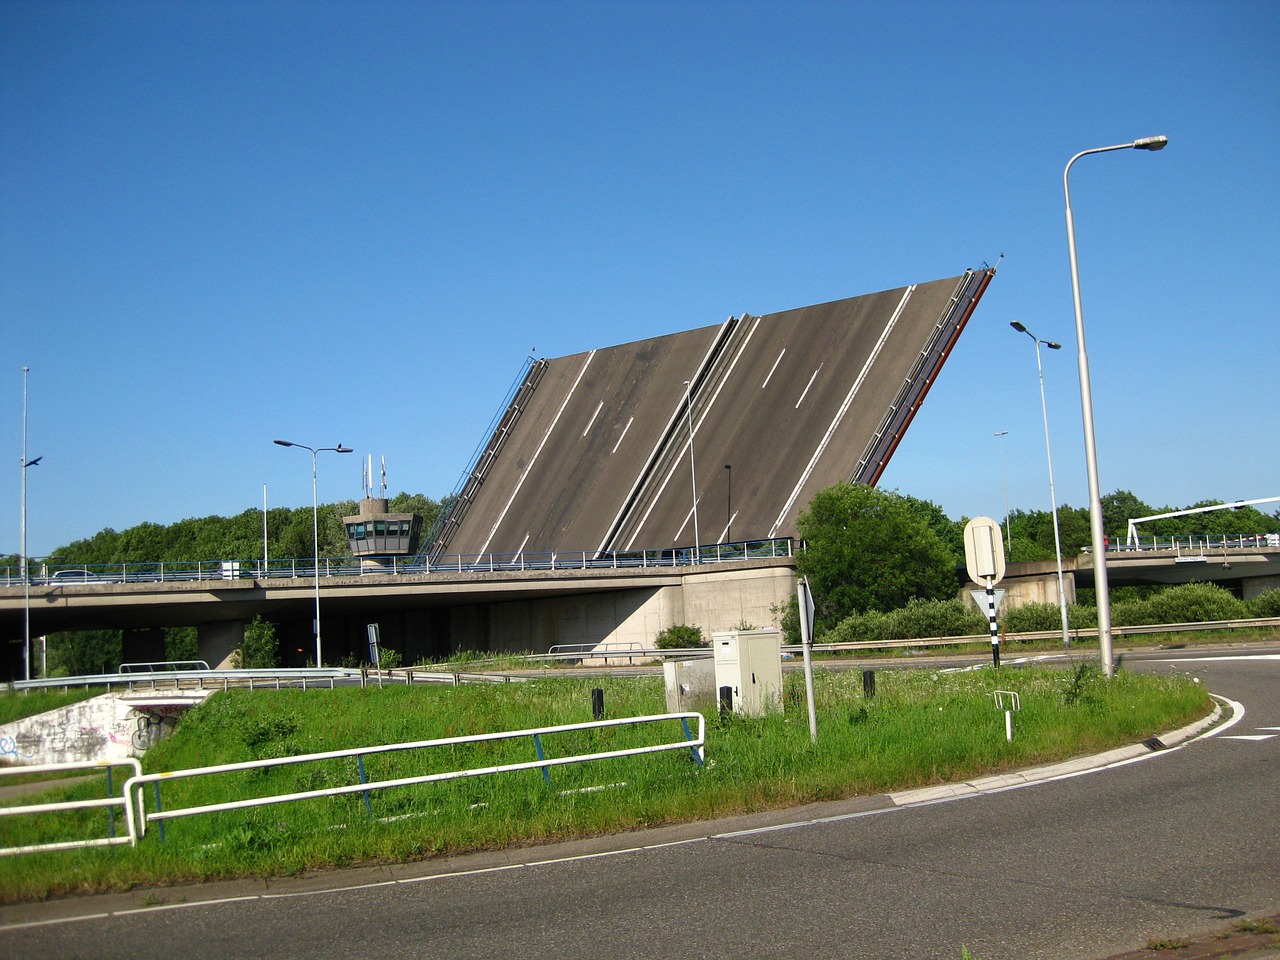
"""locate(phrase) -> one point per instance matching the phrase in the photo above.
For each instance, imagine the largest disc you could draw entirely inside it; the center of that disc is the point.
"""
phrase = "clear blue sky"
(223, 223)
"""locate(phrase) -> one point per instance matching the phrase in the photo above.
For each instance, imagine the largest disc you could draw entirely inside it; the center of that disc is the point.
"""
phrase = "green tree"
(260, 649)
(78, 653)
(868, 549)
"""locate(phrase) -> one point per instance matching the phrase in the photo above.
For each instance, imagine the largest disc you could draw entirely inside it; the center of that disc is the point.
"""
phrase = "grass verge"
(920, 728)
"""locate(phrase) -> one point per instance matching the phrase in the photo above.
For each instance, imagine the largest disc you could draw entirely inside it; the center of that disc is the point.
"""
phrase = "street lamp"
(315, 525)
(1053, 496)
(688, 403)
(1008, 538)
(1086, 407)
(22, 560)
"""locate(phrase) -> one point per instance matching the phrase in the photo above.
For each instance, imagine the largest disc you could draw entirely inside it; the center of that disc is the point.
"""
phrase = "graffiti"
(9, 748)
(152, 726)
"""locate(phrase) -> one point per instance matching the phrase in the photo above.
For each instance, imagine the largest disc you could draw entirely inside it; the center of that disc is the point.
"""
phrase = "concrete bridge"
(422, 615)
(431, 615)
(1249, 566)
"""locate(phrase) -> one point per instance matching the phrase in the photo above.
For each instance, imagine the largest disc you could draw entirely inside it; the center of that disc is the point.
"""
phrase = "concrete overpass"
(1249, 570)
(422, 615)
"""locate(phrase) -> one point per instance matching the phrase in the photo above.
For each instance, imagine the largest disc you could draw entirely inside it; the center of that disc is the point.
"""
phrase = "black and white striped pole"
(984, 562)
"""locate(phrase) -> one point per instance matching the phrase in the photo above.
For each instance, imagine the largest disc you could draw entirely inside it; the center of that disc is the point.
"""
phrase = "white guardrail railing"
(137, 816)
(109, 801)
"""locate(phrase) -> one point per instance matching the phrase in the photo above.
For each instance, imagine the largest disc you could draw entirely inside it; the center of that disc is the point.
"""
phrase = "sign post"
(984, 562)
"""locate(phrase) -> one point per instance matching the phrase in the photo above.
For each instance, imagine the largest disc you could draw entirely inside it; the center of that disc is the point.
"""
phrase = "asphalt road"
(1079, 867)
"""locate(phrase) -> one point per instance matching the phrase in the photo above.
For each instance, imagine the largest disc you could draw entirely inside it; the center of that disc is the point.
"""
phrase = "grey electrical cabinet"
(691, 685)
(749, 663)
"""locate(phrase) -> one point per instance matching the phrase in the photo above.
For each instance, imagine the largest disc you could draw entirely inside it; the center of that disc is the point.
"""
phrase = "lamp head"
(1051, 345)
(283, 443)
(1151, 143)
(1018, 326)
(341, 449)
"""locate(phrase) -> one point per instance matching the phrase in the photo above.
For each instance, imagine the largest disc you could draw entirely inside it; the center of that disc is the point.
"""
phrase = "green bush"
(919, 618)
(1033, 616)
(1195, 603)
(1266, 604)
(260, 649)
(680, 637)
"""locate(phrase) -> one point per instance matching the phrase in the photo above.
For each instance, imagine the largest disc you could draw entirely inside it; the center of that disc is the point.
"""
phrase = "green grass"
(921, 728)
(18, 706)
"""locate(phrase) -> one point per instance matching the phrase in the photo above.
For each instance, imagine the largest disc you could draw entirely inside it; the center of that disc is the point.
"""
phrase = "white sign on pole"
(983, 550)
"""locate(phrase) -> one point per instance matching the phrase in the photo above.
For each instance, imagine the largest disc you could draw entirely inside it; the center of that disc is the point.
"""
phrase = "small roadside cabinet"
(749, 662)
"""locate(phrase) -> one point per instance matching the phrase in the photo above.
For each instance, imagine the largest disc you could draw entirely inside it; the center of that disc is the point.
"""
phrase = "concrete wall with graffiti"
(109, 727)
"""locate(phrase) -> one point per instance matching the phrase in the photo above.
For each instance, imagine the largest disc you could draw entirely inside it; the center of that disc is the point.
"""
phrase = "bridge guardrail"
(48, 575)
(138, 817)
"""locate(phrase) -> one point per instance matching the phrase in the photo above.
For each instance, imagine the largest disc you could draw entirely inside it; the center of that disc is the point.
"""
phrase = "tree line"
(869, 550)
(288, 535)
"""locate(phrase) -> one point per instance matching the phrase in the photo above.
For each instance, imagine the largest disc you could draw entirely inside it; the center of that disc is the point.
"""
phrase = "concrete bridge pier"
(215, 642)
(1255, 586)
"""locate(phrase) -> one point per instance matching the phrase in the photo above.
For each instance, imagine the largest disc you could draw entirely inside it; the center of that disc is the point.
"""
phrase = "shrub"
(1196, 603)
(680, 637)
(1033, 616)
(260, 649)
(919, 618)
(1266, 604)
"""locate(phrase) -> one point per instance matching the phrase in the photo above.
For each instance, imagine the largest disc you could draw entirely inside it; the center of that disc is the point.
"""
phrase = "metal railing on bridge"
(48, 575)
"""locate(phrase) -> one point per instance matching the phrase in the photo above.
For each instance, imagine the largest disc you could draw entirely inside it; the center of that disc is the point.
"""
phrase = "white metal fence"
(109, 801)
(138, 816)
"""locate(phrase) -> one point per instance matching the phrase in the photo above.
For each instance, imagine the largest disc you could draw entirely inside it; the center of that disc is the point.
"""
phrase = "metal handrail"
(109, 801)
(138, 817)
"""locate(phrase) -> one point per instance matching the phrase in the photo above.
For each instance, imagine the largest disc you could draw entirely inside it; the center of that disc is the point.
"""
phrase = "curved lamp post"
(315, 524)
(1053, 495)
(1086, 406)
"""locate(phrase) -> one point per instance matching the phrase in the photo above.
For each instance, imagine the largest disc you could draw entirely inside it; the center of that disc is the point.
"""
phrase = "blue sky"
(330, 222)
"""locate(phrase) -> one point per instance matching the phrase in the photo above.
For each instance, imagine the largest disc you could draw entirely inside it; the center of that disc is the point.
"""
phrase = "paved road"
(1082, 867)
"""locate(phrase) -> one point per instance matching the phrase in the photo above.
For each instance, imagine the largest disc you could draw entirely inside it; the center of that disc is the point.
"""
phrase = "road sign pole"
(991, 622)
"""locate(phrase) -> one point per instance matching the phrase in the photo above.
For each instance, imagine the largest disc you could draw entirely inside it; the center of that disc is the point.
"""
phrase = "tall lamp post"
(1008, 538)
(693, 475)
(22, 560)
(1086, 408)
(315, 524)
(1053, 495)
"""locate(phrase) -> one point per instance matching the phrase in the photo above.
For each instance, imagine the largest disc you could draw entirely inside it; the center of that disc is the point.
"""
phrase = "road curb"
(1004, 781)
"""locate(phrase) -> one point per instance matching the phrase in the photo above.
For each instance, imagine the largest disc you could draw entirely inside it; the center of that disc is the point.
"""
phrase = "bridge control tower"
(376, 535)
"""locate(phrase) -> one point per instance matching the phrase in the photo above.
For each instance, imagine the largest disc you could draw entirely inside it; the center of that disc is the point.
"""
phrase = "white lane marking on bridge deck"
(621, 435)
(1247, 736)
(587, 428)
(724, 534)
(678, 462)
(844, 408)
(625, 506)
(805, 392)
(534, 459)
(773, 368)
